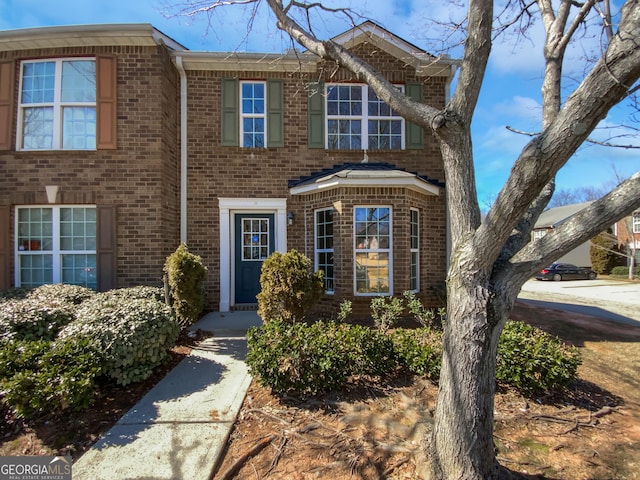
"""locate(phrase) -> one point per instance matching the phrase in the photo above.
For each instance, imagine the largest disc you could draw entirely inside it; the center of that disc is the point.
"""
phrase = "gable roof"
(554, 217)
(364, 174)
(292, 60)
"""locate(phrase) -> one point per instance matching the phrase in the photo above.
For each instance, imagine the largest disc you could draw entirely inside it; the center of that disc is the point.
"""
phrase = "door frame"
(228, 208)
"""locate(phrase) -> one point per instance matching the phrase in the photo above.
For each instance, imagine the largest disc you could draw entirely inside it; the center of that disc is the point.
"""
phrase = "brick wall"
(139, 178)
(216, 171)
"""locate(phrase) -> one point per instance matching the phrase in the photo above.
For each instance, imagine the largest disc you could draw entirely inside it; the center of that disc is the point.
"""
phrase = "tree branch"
(414, 111)
(541, 158)
(587, 223)
(588, 140)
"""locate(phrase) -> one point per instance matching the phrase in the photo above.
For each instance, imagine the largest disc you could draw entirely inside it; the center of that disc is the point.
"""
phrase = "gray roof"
(554, 217)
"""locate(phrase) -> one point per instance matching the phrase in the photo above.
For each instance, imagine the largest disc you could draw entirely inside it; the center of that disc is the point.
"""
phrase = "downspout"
(183, 149)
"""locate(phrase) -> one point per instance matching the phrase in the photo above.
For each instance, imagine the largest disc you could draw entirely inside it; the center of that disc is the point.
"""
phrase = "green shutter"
(315, 115)
(414, 135)
(229, 110)
(275, 113)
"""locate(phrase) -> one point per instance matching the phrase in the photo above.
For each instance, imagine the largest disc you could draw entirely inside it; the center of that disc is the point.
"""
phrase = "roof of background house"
(554, 217)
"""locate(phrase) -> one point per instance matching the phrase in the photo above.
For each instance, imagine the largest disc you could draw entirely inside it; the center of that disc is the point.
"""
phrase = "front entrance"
(254, 241)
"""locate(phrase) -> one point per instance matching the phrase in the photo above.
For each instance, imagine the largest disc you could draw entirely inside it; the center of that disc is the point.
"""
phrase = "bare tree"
(492, 257)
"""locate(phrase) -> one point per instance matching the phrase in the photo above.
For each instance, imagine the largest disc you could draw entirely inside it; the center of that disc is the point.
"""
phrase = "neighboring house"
(553, 218)
(236, 154)
(627, 232)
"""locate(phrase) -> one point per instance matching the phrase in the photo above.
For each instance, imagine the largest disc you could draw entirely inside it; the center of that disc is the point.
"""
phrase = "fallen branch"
(257, 448)
(400, 462)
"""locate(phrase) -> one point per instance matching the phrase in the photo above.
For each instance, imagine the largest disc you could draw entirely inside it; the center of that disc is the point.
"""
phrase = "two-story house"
(117, 143)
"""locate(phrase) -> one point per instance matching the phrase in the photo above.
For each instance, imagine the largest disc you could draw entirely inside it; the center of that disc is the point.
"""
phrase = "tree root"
(257, 448)
(575, 421)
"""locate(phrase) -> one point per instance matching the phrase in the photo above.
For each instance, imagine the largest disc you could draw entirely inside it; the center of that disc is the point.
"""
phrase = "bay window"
(373, 259)
(414, 232)
(324, 246)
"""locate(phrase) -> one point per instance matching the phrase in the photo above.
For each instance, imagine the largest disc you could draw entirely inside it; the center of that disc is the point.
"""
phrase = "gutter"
(183, 149)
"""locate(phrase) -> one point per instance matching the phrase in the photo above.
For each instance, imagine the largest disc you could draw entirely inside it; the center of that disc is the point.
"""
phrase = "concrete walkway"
(180, 428)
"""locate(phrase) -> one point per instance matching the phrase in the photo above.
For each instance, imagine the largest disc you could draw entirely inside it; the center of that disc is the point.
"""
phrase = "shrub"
(604, 252)
(311, 359)
(33, 318)
(18, 355)
(61, 293)
(419, 351)
(45, 377)
(13, 294)
(288, 287)
(386, 311)
(533, 361)
(185, 274)
(133, 334)
(624, 271)
(427, 317)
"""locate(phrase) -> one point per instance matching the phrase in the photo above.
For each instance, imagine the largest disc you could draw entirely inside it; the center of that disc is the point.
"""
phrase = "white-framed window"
(57, 104)
(636, 222)
(414, 231)
(372, 250)
(324, 246)
(255, 239)
(253, 116)
(358, 120)
(56, 244)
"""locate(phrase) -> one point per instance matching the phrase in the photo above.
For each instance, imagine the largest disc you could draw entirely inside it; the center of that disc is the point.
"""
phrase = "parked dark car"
(565, 271)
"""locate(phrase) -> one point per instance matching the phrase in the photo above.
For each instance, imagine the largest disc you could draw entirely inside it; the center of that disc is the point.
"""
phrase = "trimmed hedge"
(132, 333)
(625, 271)
(289, 288)
(41, 377)
(533, 361)
(185, 274)
(311, 359)
(301, 359)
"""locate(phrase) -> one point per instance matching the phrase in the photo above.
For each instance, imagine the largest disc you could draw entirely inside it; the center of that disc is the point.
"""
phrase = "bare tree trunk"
(462, 440)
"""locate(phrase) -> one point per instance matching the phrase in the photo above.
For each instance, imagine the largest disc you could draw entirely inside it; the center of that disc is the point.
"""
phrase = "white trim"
(317, 251)
(244, 115)
(363, 118)
(56, 252)
(414, 250)
(388, 251)
(410, 181)
(56, 105)
(183, 149)
(228, 208)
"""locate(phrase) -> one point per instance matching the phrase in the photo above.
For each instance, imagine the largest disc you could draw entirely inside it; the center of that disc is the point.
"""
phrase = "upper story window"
(636, 222)
(253, 112)
(358, 120)
(57, 105)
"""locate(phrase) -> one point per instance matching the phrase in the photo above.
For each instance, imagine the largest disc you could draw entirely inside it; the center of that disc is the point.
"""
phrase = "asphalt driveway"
(610, 299)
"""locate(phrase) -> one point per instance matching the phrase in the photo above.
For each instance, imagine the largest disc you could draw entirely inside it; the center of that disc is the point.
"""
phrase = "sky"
(510, 94)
